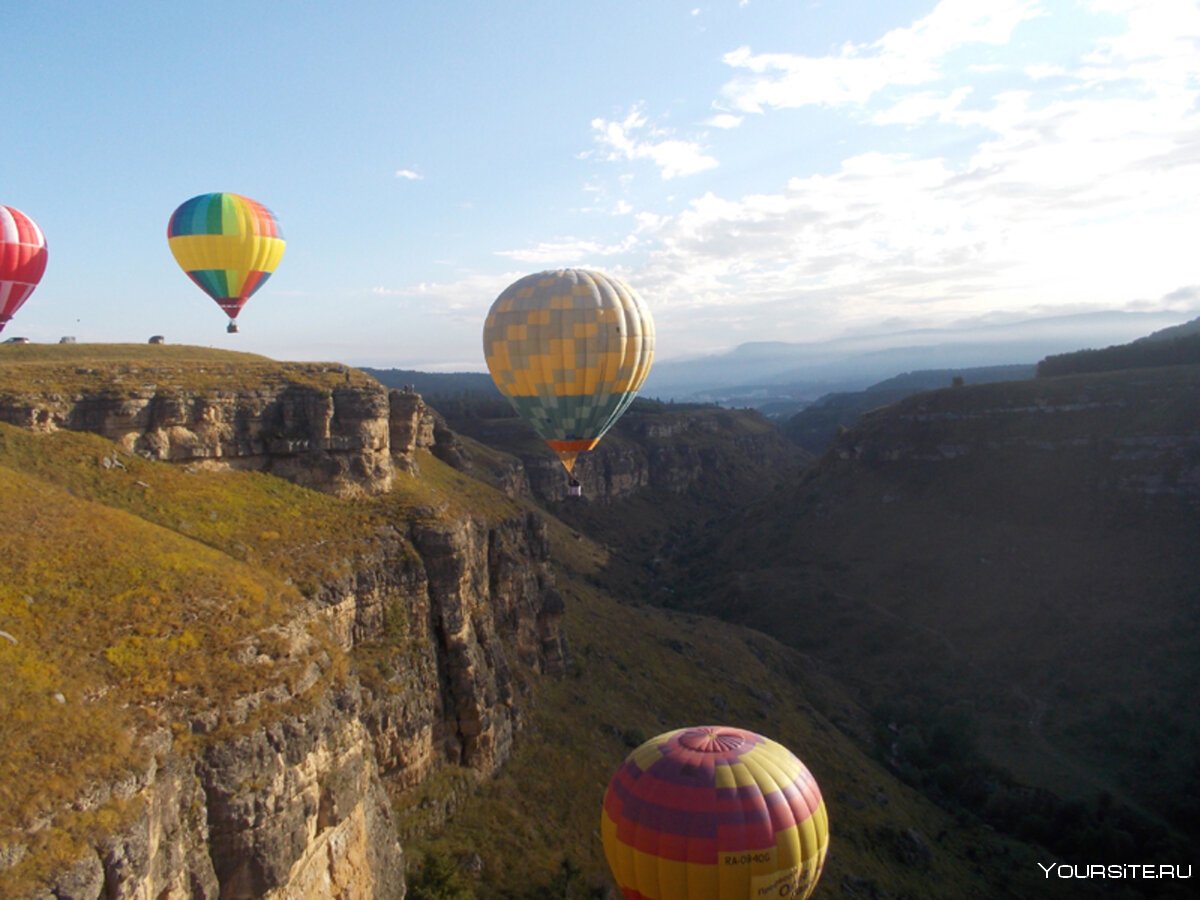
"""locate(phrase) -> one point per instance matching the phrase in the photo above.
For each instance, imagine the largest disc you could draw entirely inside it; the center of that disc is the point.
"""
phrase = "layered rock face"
(451, 621)
(1131, 432)
(335, 440)
(443, 622)
(292, 809)
(672, 451)
(473, 611)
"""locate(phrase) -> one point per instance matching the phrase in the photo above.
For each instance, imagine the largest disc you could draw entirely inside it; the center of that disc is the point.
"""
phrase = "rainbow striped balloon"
(227, 244)
(569, 348)
(714, 812)
(22, 260)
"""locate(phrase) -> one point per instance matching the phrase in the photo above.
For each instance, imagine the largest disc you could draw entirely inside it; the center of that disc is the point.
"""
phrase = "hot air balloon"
(228, 244)
(569, 349)
(714, 813)
(22, 260)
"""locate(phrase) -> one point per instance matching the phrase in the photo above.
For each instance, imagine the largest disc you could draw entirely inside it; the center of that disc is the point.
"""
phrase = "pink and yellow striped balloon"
(717, 813)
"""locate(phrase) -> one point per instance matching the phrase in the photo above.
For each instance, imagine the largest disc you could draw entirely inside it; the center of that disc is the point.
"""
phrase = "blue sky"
(757, 170)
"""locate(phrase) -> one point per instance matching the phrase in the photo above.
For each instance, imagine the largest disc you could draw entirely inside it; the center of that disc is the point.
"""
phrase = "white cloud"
(724, 120)
(567, 251)
(903, 56)
(1083, 202)
(1038, 71)
(1158, 48)
(409, 175)
(923, 106)
(469, 295)
(648, 221)
(632, 139)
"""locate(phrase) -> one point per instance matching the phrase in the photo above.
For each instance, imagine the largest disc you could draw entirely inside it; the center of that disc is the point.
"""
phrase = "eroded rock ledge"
(346, 440)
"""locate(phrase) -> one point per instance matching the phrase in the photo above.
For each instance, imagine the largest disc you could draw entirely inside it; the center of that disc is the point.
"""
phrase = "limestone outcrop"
(348, 440)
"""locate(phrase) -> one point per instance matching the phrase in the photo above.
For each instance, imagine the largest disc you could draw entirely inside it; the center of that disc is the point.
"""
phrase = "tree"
(438, 879)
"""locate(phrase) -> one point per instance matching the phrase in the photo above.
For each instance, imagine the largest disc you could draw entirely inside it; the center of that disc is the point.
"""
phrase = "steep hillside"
(243, 643)
(1175, 331)
(1007, 575)
(815, 427)
(1155, 351)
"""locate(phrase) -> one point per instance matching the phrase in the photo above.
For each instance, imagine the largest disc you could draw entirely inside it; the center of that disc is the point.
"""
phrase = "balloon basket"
(231, 328)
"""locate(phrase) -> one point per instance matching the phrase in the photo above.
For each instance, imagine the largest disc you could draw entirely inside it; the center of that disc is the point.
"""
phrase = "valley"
(974, 618)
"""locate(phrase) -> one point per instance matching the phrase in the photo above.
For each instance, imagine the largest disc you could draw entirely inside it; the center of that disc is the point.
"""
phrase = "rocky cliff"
(293, 808)
(334, 439)
(415, 652)
(324, 426)
(652, 446)
(1131, 432)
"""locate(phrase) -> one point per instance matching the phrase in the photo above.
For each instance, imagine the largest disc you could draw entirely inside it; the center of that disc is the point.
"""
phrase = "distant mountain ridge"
(815, 427)
(756, 373)
(1175, 331)
(1167, 348)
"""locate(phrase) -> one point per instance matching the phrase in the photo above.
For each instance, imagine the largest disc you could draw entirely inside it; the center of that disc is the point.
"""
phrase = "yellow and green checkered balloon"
(569, 349)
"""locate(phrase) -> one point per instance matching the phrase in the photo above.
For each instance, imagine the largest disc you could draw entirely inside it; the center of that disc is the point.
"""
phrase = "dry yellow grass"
(116, 627)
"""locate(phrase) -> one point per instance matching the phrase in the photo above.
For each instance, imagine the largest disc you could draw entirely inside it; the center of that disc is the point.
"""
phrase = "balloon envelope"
(569, 349)
(714, 812)
(22, 260)
(227, 244)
